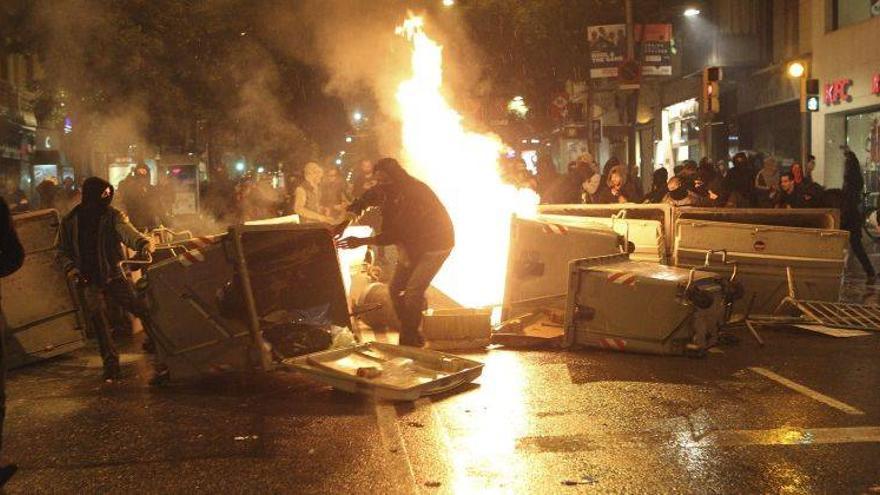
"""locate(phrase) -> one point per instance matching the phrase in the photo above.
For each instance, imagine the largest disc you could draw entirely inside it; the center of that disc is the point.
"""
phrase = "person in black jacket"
(416, 222)
(852, 218)
(89, 253)
(11, 259)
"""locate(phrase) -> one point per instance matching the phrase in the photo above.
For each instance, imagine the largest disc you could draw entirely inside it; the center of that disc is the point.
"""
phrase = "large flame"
(461, 166)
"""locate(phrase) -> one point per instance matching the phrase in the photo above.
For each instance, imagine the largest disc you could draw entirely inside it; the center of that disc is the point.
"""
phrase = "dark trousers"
(120, 292)
(855, 244)
(411, 279)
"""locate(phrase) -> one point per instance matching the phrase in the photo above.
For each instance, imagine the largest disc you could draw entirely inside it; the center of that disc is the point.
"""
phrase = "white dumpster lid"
(388, 371)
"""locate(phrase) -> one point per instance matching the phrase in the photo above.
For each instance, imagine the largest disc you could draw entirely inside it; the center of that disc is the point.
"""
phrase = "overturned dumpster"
(272, 295)
(621, 305)
(538, 257)
(39, 305)
(760, 242)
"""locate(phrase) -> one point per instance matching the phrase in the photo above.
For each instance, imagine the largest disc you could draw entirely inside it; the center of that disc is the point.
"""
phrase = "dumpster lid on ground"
(388, 371)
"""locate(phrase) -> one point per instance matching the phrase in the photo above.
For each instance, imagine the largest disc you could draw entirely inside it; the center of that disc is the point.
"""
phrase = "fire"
(462, 168)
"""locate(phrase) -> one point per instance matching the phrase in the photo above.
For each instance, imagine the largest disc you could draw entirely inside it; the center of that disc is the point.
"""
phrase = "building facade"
(846, 61)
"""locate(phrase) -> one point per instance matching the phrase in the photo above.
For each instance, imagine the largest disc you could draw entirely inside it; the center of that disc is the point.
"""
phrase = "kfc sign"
(837, 91)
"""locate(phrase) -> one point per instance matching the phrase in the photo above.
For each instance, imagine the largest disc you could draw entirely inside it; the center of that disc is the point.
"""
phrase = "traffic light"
(711, 102)
(810, 95)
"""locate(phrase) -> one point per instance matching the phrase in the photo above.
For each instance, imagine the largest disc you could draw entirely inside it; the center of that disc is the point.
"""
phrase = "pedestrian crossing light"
(810, 95)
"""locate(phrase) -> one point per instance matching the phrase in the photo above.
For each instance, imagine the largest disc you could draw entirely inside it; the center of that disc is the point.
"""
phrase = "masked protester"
(140, 199)
(659, 189)
(89, 252)
(680, 195)
(416, 222)
(11, 259)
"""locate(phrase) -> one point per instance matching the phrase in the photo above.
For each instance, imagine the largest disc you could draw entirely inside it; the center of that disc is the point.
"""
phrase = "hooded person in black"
(89, 252)
(140, 199)
(416, 222)
(11, 259)
(852, 217)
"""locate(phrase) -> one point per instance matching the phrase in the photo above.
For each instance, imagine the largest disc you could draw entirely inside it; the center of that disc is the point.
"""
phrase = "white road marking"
(389, 429)
(789, 436)
(399, 466)
(797, 387)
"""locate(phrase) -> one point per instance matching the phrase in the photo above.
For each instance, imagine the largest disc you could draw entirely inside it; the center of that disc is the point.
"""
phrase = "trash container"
(40, 306)
(621, 305)
(538, 257)
(217, 307)
(646, 236)
(762, 253)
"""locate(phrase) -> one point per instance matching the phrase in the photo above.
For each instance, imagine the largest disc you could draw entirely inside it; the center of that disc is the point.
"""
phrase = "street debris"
(583, 480)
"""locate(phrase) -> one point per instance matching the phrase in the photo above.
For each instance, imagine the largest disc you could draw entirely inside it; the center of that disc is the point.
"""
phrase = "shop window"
(848, 12)
(863, 138)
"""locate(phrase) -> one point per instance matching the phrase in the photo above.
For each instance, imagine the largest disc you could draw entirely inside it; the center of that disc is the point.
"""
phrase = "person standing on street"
(11, 259)
(89, 252)
(416, 222)
(852, 218)
(139, 198)
(307, 196)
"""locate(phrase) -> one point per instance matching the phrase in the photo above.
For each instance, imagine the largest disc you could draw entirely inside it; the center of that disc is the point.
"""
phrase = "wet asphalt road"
(536, 422)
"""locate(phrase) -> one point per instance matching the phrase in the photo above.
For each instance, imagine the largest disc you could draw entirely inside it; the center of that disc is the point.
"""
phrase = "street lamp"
(348, 139)
(239, 166)
(691, 12)
(796, 70)
(358, 116)
(448, 3)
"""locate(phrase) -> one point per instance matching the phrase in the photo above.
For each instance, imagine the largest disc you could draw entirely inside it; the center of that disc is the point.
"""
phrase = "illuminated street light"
(691, 12)
(448, 3)
(358, 116)
(339, 161)
(239, 166)
(348, 139)
(796, 70)
(260, 170)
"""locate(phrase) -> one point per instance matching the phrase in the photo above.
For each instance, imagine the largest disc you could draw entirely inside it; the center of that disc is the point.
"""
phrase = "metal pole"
(805, 119)
(633, 98)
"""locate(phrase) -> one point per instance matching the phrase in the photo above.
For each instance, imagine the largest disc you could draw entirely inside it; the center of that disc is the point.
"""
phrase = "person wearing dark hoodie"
(139, 198)
(416, 222)
(739, 184)
(89, 252)
(852, 218)
(659, 188)
(11, 259)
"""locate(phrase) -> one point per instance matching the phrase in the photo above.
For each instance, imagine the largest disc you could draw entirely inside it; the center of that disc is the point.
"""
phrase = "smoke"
(356, 44)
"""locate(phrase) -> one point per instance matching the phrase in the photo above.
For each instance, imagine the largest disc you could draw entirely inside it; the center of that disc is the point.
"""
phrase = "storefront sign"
(838, 91)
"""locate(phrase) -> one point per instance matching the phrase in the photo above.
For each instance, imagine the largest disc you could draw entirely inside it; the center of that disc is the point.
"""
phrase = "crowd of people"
(746, 181)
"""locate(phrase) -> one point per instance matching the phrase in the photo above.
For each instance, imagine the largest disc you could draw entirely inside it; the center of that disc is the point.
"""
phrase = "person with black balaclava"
(416, 222)
(89, 252)
(139, 198)
(852, 218)
(11, 259)
(659, 189)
